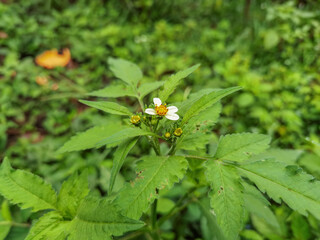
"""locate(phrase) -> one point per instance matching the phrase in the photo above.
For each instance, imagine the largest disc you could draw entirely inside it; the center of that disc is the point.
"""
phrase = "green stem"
(15, 224)
(174, 210)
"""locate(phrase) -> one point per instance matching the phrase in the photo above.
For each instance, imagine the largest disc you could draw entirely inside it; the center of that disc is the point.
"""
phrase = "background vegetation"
(270, 48)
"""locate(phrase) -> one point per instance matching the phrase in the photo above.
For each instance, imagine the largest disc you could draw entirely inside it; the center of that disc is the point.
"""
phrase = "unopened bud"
(167, 135)
(178, 132)
(135, 119)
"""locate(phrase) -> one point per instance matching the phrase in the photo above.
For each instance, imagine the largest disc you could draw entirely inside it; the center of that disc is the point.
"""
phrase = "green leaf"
(71, 194)
(288, 156)
(299, 190)
(99, 219)
(207, 118)
(49, 226)
(226, 197)
(118, 159)
(147, 88)
(173, 81)
(271, 39)
(300, 227)
(123, 135)
(91, 137)
(127, 71)
(24, 188)
(239, 147)
(114, 91)
(154, 172)
(109, 107)
(206, 101)
(5, 227)
(256, 204)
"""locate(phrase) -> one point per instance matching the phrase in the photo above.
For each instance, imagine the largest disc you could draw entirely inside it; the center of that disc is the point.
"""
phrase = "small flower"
(163, 110)
(178, 132)
(135, 119)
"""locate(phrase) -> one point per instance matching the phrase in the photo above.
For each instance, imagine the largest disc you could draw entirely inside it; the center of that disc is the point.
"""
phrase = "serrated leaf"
(257, 204)
(99, 219)
(109, 107)
(91, 137)
(226, 197)
(49, 226)
(147, 88)
(114, 91)
(123, 135)
(288, 156)
(299, 190)
(71, 194)
(118, 159)
(206, 101)
(154, 172)
(208, 118)
(173, 81)
(24, 188)
(239, 147)
(127, 71)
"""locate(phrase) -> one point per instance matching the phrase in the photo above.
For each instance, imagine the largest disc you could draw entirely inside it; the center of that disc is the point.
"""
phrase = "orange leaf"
(51, 59)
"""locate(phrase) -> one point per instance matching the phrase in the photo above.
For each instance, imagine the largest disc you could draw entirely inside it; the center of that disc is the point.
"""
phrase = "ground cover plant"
(236, 172)
(269, 48)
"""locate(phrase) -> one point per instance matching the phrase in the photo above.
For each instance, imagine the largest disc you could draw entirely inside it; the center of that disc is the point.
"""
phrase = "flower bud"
(135, 119)
(167, 135)
(178, 132)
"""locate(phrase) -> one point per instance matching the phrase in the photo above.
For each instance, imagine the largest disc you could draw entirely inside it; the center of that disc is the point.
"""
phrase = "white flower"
(163, 110)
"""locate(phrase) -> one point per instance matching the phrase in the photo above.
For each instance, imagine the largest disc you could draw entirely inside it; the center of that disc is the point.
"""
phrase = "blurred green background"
(270, 48)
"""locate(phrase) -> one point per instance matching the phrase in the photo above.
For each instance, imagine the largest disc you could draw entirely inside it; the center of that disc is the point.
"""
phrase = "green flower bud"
(167, 135)
(135, 119)
(178, 132)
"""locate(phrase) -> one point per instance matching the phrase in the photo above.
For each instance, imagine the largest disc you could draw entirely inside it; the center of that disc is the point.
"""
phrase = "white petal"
(172, 116)
(172, 109)
(150, 111)
(157, 101)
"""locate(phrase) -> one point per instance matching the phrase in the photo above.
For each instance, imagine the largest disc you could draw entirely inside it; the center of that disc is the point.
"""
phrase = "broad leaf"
(173, 81)
(289, 183)
(123, 135)
(226, 197)
(147, 88)
(239, 147)
(288, 156)
(109, 107)
(99, 219)
(71, 194)
(126, 71)
(118, 159)
(154, 173)
(114, 91)
(24, 188)
(206, 101)
(91, 137)
(49, 226)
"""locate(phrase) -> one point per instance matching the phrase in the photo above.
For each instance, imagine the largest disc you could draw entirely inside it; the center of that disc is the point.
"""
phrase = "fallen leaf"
(42, 81)
(3, 35)
(52, 58)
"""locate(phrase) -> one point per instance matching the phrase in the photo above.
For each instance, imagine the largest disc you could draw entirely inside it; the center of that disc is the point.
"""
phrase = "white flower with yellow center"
(163, 110)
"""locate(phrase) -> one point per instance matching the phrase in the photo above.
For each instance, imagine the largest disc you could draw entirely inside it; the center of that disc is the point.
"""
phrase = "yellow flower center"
(161, 110)
(135, 119)
(178, 132)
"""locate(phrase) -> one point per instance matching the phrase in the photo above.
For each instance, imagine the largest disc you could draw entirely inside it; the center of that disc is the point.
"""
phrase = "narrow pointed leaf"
(296, 188)
(91, 137)
(127, 71)
(124, 134)
(72, 192)
(226, 197)
(109, 107)
(147, 88)
(27, 190)
(99, 219)
(173, 81)
(154, 172)
(207, 101)
(114, 91)
(118, 159)
(239, 147)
